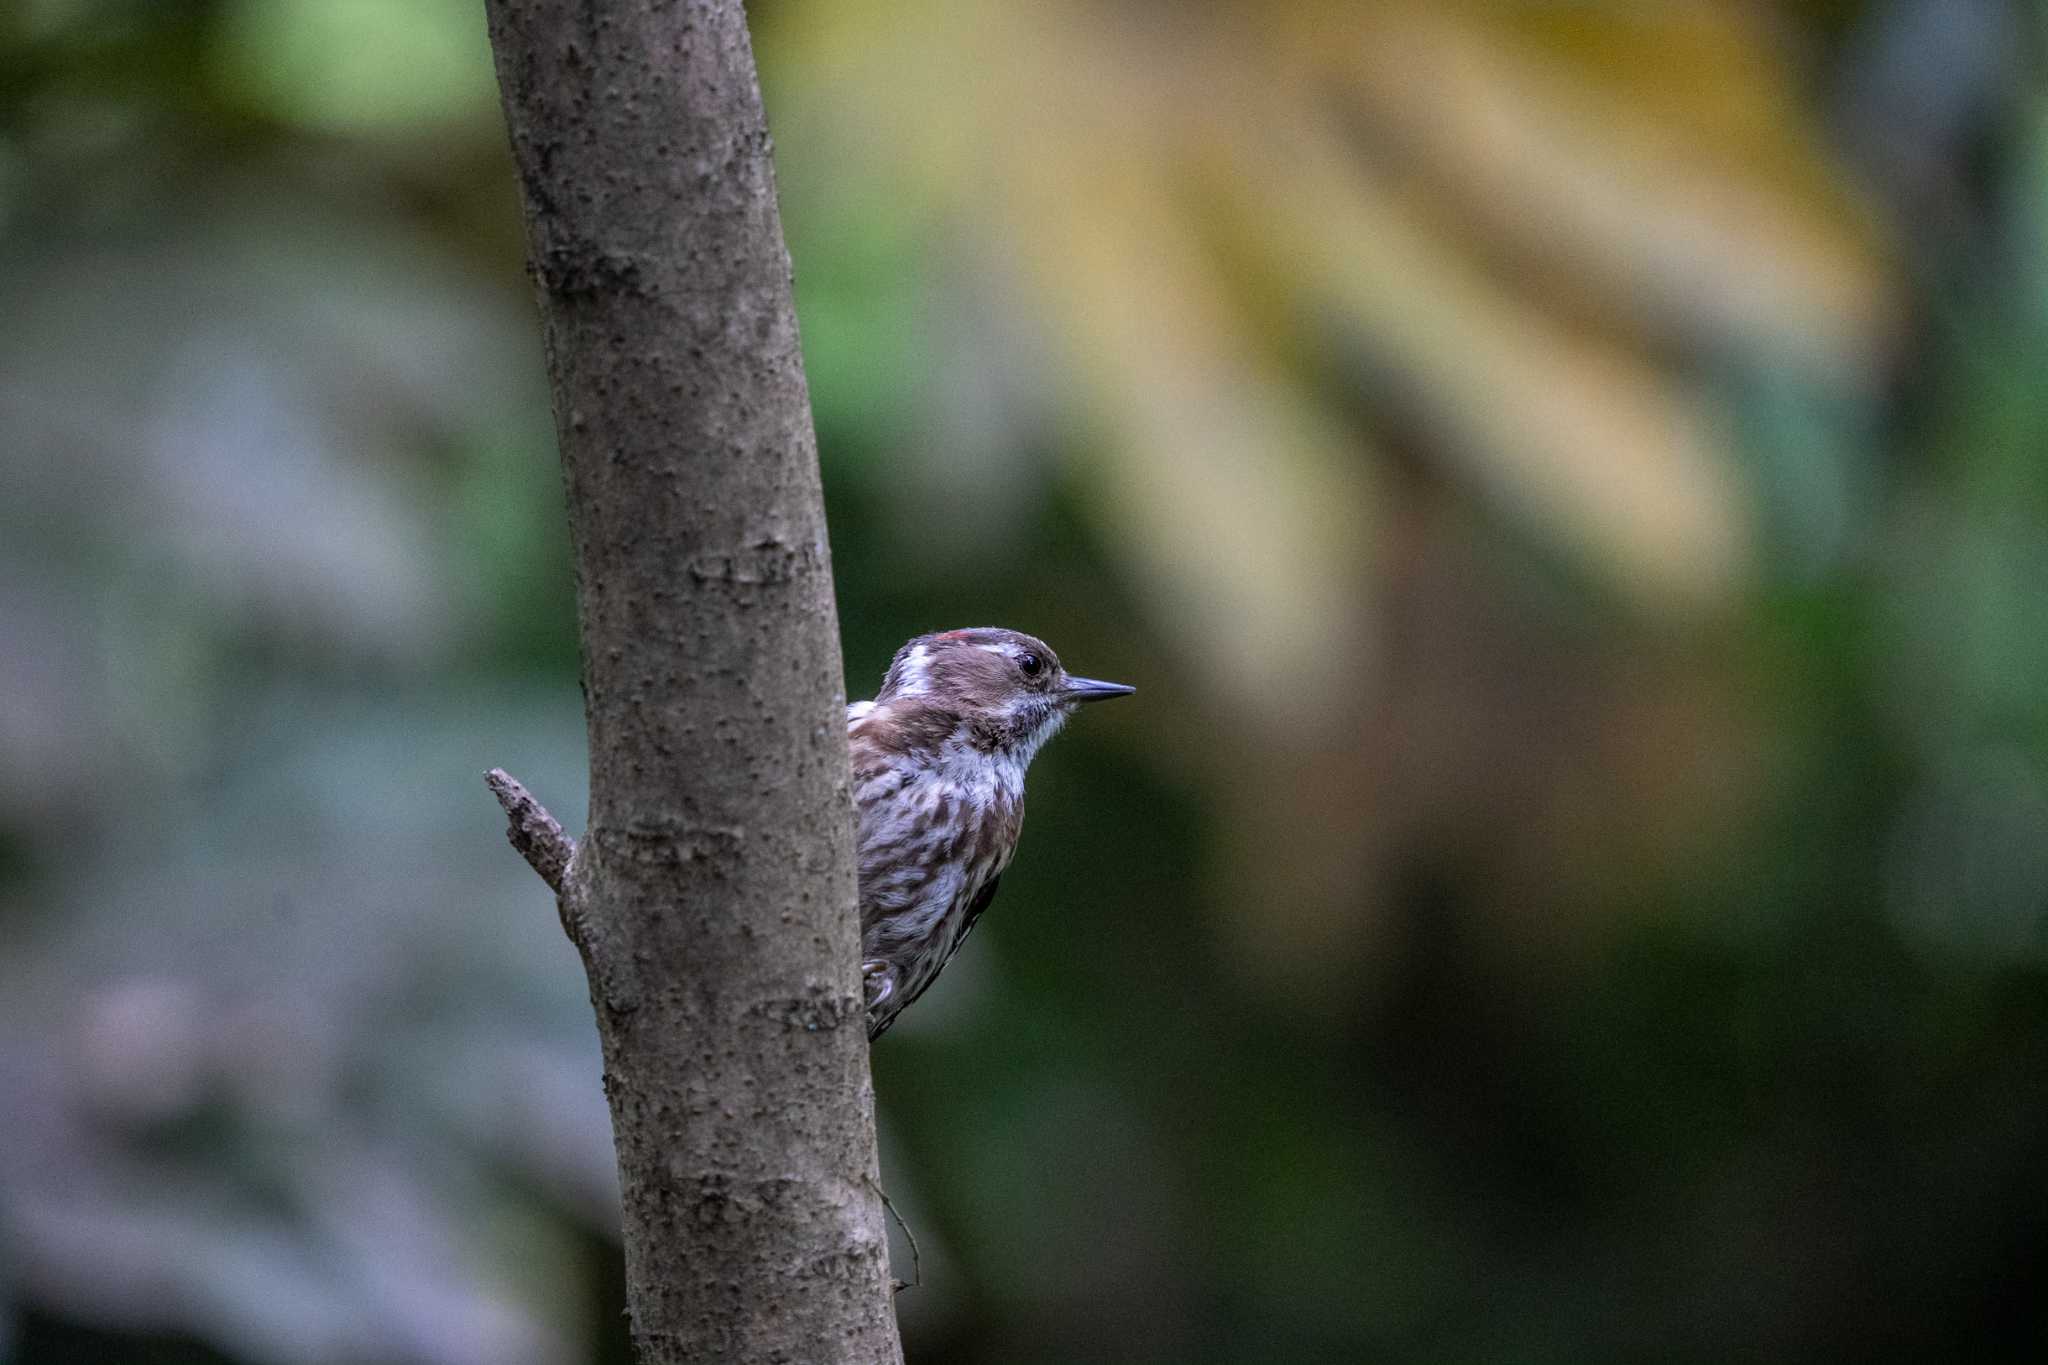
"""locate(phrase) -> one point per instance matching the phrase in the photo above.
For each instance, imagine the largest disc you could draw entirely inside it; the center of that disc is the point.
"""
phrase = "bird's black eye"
(1031, 664)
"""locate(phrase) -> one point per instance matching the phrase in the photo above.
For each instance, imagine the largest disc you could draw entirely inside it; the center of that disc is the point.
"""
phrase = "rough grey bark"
(712, 897)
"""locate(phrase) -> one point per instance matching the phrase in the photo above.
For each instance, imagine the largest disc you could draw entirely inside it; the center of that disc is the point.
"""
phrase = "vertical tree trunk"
(713, 894)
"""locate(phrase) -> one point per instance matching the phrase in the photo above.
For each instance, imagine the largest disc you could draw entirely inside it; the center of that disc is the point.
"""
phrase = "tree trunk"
(712, 897)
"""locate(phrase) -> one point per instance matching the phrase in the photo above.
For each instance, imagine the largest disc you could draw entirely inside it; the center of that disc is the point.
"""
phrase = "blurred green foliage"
(1567, 479)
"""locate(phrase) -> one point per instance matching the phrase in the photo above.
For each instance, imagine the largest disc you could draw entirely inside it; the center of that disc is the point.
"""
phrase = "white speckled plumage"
(939, 759)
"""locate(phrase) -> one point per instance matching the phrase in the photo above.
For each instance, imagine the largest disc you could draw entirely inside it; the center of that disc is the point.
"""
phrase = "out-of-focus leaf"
(1434, 179)
(273, 1068)
(206, 419)
(1258, 561)
(1649, 161)
(1569, 433)
(360, 66)
(1969, 869)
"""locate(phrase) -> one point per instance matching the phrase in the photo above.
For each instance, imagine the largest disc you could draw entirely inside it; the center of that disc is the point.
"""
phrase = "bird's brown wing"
(974, 909)
(981, 900)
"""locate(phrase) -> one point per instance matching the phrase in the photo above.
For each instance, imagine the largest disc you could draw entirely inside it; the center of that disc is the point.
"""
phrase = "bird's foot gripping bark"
(879, 981)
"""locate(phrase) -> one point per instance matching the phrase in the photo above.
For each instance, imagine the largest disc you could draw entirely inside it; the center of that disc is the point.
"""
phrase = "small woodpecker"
(938, 776)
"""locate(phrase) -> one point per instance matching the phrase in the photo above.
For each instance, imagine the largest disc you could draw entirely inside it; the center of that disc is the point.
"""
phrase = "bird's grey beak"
(1090, 689)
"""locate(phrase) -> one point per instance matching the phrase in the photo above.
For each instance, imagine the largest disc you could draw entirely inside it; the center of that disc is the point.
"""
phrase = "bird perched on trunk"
(938, 775)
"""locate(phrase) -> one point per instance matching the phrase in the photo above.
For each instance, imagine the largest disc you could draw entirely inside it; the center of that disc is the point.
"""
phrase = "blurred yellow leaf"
(1511, 227)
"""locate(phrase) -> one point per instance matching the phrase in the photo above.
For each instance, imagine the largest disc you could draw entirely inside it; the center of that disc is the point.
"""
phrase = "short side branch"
(537, 835)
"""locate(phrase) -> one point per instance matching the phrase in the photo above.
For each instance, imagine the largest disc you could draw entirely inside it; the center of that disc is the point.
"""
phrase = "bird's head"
(1007, 688)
